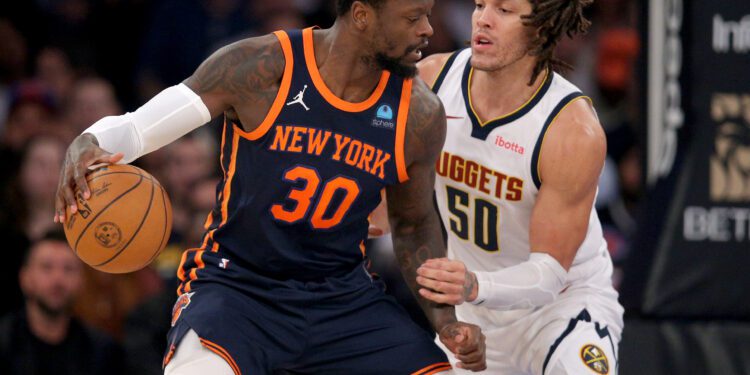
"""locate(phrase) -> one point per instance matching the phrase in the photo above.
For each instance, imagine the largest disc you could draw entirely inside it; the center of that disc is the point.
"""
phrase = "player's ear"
(362, 15)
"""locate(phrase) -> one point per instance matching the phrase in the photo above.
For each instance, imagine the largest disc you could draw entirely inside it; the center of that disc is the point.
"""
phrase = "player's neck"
(500, 92)
(48, 328)
(343, 65)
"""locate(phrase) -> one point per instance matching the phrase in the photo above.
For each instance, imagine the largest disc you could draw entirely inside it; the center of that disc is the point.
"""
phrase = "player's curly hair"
(552, 19)
(343, 6)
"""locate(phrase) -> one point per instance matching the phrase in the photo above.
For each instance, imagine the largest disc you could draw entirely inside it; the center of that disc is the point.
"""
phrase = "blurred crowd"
(64, 64)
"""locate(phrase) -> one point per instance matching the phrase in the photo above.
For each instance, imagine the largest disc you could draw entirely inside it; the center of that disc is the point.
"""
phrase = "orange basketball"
(125, 223)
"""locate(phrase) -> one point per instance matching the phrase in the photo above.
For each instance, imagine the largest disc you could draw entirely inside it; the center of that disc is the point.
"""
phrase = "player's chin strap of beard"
(169, 115)
(526, 285)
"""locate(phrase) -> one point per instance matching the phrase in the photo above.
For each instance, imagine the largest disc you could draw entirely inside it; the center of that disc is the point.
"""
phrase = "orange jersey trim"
(209, 221)
(281, 95)
(223, 142)
(168, 357)
(221, 352)
(403, 116)
(325, 92)
(433, 368)
(198, 258)
(230, 176)
(225, 195)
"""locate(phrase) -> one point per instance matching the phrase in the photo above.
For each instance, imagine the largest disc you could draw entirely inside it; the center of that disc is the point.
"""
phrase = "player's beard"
(395, 66)
(507, 58)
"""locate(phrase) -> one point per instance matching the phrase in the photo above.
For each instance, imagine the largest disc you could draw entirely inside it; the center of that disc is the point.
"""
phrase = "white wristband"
(526, 285)
(168, 116)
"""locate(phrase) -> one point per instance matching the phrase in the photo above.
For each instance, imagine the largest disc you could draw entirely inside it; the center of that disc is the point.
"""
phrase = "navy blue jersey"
(297, 191)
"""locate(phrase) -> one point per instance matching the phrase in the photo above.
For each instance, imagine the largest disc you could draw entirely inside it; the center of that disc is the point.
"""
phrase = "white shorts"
(576, 334)
(192, 358)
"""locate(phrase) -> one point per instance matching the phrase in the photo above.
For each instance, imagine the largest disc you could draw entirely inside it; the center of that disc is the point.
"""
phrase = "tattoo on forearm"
(416, 229)
(469, 281)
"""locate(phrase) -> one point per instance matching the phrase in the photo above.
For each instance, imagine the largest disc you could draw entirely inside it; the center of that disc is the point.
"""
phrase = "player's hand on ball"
(81, 154)
(467, 343)
(447, 281)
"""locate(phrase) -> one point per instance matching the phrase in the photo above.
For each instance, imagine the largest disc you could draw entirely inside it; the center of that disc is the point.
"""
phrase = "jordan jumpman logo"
(298, 99)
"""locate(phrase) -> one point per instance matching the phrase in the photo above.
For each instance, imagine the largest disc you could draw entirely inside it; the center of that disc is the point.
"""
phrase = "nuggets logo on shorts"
(182, 302)
(595, 359)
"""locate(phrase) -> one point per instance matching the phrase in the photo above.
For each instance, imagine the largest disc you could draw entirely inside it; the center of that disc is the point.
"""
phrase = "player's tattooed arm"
(239, 74)
(412, 214)
(416, 230)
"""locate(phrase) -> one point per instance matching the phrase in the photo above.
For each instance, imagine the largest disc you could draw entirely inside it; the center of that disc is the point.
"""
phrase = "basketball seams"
(124, 205)
(104, 209)
(164, 236)
(143, 220)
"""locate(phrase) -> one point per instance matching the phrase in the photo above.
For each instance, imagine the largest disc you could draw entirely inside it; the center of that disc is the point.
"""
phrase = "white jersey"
(487, 184)
(488, 179)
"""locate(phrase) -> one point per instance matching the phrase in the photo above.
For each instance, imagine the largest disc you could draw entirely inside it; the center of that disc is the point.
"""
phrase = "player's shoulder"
(426, 124)
(579, 118)
(577, 127)
(576, 116)
(266, 50)
(430, 66)
(243, 66)
(425, 104)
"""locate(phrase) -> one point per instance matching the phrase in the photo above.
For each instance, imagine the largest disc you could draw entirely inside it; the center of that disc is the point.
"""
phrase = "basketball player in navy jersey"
(317, 123)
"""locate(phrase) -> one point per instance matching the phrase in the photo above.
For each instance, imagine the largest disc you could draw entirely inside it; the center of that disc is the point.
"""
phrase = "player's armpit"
(570, 162)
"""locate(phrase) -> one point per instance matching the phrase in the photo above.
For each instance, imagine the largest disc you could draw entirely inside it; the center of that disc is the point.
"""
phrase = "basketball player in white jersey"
(516, 185)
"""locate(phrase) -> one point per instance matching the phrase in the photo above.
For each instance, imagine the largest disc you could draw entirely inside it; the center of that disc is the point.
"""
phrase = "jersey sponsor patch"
(595, 359)
(384, 118)
(182, 302)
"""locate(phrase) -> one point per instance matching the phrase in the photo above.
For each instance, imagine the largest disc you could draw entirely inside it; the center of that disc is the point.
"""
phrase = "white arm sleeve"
(169, 115)
(526, 285)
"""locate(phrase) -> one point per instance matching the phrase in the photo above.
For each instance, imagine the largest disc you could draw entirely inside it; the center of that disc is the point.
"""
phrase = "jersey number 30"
(484, 222)
(303, 198)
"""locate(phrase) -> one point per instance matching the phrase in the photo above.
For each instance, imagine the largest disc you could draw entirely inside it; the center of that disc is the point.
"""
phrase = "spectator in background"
(443, 38)
(183, 33)
(34, 188)
(91, 98)
(44, 338)
(277, 15)
(13, 58)
(32, 112)
(68, 24)
(106, 299)
(55, 71)
(24, 208)
(186, 161)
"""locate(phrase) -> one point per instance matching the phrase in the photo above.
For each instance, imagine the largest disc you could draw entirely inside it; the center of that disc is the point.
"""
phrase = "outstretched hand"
(467, 343)
(81, 154)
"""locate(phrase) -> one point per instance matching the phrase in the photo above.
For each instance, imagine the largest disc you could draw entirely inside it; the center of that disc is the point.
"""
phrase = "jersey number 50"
(484, 221)
(303, 198)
